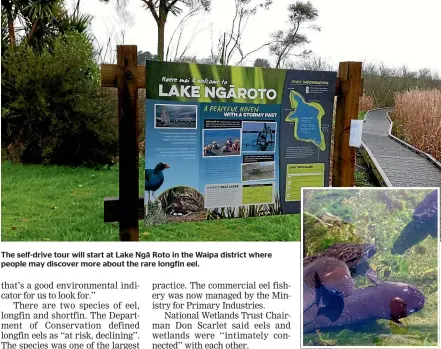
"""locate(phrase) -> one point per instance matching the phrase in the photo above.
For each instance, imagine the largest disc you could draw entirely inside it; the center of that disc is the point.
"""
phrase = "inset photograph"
(258, 136)
(176, 116)
(256, 171)
(221, 142)
(370, 267)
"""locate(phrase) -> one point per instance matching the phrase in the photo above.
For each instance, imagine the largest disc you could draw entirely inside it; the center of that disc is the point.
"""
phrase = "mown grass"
(42, 203)
(378, 217)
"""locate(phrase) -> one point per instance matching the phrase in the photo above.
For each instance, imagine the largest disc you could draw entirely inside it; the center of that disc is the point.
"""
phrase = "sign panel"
(306, 128)
(215, 141)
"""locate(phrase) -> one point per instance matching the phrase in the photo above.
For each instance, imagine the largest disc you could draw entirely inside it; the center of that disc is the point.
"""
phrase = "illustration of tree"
(176, 50)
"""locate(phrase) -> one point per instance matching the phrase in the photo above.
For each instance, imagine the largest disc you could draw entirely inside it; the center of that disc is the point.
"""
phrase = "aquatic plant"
(319, 235)
(154, 214)
(246, 211)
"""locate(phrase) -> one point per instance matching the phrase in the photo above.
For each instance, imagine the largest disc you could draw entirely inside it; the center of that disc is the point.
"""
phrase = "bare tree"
(229, 43)
(106, 51)
(281, 43)
(173, 52)
(312, 63)
(160, 9)
(301, 16)
(124, 20)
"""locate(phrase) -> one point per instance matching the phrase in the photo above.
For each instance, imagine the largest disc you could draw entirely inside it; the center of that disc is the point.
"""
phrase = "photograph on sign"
(370, 267)
(176, 116)
(229, 144)
(258, 136)
(258, 170)
(233, 142)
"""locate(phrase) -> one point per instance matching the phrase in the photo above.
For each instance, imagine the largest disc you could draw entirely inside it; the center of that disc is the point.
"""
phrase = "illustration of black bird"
(154, 178)
(424, 222)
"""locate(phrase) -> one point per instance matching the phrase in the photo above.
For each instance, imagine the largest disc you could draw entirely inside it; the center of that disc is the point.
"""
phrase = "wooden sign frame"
(128, 77)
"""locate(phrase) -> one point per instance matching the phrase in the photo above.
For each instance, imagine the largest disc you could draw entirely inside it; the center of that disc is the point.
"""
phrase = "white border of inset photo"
(259, 151)
(257, 180)
(301, 262)
(220, 129)
(176, 128)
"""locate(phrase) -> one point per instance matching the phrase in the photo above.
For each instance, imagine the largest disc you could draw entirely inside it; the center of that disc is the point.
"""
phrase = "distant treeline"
(380, 82)
(383, 83)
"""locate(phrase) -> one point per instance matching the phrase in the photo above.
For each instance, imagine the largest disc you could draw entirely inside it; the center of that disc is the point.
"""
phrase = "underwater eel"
(354, 255)
(387, 300)
(325, 277)
(424, 223)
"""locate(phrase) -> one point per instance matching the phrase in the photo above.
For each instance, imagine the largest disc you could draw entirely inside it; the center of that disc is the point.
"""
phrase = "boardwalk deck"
(395, 164)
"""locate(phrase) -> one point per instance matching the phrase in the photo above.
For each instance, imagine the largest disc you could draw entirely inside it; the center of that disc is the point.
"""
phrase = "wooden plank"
(111, 209)
(128, 142)
(347, 110)
(375, 166)
(108, 77)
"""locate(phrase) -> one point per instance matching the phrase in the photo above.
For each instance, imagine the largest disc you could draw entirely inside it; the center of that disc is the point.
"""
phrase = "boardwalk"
(395, 164)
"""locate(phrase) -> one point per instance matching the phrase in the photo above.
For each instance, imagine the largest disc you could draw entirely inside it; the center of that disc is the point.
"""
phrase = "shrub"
(417, 119)
(366, 103)
(53, 109)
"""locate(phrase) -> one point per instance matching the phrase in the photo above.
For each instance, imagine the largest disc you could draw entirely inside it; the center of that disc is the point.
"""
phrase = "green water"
(378, 217)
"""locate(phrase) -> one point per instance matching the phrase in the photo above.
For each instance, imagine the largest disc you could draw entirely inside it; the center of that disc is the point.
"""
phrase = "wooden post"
(349, 74)
(127, 73)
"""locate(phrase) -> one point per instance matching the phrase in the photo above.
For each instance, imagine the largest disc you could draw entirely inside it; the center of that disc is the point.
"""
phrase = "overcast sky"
(396, 32)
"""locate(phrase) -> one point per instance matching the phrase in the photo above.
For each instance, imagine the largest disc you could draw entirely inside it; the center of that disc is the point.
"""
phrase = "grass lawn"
(41, 203)
(361, 115)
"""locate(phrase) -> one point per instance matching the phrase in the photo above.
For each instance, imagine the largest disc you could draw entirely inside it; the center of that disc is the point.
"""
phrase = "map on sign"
(305, 134)
(307, 118)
